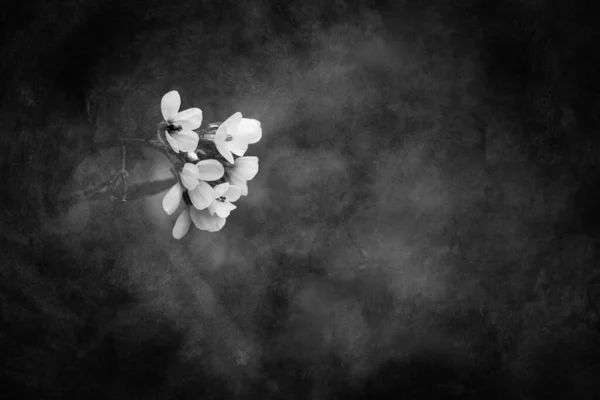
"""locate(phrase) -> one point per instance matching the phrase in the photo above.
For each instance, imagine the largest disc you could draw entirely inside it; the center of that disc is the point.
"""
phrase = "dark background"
(424, 223)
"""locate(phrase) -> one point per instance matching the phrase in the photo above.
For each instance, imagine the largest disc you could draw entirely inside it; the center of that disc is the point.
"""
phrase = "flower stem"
(124, 171)
(152, 143)
(107, 189)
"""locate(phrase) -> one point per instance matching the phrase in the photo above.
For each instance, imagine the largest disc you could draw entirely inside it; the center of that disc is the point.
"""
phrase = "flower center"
(174, 128)
(229, 138)
(222, 198)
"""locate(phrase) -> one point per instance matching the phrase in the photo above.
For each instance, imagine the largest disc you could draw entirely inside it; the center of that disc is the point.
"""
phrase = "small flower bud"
(193, 157)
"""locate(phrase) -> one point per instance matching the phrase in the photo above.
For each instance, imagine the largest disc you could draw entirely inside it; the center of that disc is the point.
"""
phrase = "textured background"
(424, 222)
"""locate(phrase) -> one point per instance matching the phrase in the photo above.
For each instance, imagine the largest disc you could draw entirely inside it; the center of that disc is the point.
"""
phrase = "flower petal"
(210, 170)
(169, 105)
(227, 128)
(190, 176)
(182, 225)
(231, 124)
(172, 199)
(172, 142)
(252, 128)
(186, 140)
(245, 168)
(218, 225)
(189, 119)
(240, 183)
(233, 193)
(238, 144)
(202, 195)
(224, 208)
(224, 151)
(221, 134)
(221, 189)
(213, 207)
(203, 219)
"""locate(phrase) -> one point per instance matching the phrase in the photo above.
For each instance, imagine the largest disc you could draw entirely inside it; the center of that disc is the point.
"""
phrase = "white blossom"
(193, 179)
(225, 195)
(180, 131)
(206, 221)
(235, 134)
(243, 169)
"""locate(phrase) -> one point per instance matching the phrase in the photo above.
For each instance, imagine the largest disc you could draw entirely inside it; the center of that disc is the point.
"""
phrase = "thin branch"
(123, 171)
(135, 192)
(90, 193)
(106, 190)
(102, 192)
(127, 139)
(149, 188)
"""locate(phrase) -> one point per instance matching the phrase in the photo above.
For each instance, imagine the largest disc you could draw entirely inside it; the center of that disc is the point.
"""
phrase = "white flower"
(193, 179)
(212, 219)
(202, 219)
(205, 221)
(180, 132)
(235, 134)
(243, 170)
(225, 194)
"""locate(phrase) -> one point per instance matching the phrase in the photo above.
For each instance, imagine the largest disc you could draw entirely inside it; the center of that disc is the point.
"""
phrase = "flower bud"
(192, 157)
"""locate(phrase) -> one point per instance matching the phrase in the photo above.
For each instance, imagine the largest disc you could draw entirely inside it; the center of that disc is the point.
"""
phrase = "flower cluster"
(210, 179)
